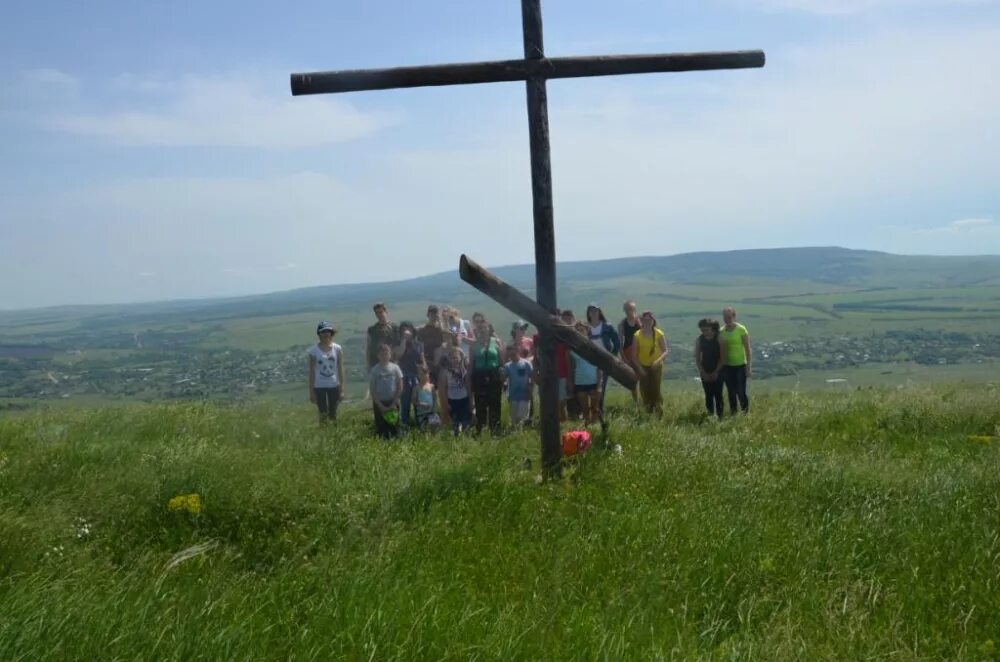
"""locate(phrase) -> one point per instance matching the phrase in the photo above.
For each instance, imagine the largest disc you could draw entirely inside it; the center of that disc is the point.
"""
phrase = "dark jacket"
(610, 339)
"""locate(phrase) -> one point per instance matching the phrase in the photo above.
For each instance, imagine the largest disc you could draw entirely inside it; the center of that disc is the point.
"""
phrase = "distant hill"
(823, 265)
(829, 265)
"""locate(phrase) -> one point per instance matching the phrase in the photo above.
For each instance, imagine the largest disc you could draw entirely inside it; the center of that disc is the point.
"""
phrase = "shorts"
(586, 388)
(520, 410)
(563, 388)
(427, 419)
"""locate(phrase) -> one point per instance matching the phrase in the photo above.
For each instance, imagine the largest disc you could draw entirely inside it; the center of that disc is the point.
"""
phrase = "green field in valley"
(814, 314)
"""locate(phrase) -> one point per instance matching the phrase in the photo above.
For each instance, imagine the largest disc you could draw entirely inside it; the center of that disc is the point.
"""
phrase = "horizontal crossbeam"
(326, 82)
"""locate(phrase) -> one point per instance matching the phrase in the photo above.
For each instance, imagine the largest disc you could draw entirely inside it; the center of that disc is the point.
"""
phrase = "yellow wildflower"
(188, 502)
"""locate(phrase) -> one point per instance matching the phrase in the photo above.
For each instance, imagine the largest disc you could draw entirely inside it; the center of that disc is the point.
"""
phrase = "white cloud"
(235, 110)
(291, 228)
(50, 77)
(967, 223)
(967, 236)
(830, 132)
(831, 7)
(831, 143)
(176, 237)
(30, 89)
(965, 226)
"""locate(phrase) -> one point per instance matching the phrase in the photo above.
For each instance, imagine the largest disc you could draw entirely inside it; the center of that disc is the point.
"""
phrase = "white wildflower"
(83, 528)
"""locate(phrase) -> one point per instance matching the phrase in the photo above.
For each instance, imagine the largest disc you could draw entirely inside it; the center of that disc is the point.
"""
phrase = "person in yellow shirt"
(736, 356)
(647, 359)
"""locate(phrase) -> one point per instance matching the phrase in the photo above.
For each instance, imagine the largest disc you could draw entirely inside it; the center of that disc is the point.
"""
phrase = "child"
(424, 398)
(585, 378)
(520, 339)
(708, 358)
(385, 382)
(326, 373)
(457, 381)
(520, 384)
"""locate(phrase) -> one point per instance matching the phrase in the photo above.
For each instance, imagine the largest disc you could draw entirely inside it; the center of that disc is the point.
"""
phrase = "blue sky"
(153, 150)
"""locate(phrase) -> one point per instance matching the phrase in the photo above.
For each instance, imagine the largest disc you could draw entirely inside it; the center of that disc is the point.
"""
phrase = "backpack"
(575, 441)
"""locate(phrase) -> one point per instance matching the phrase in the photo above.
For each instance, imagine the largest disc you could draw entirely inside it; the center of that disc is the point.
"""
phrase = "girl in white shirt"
(326, 373)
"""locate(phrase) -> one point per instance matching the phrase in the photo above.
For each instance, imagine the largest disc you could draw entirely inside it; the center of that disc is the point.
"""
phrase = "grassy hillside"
(843, 526)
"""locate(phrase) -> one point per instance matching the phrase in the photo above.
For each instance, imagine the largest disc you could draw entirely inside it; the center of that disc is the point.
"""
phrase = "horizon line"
(397, 281)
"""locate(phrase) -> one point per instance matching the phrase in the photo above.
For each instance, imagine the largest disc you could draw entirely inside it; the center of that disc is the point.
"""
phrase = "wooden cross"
(535, 69)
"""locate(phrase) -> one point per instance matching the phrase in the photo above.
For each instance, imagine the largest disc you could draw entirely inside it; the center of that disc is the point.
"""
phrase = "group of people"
(454, 372)
(450, 371)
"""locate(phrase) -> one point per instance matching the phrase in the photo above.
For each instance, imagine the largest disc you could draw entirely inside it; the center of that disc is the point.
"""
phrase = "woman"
(487, 378)
(626, 330)
(586, 383)
(409, 356)
(460, 329)
(569, 406)
(650, 353)
(708, 358)
(602, 334)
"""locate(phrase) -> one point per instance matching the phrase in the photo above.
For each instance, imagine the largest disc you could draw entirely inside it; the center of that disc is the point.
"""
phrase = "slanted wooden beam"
(512, 299)
(467, 73)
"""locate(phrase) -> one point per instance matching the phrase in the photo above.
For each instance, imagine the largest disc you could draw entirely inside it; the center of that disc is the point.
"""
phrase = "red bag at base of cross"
(575, 441)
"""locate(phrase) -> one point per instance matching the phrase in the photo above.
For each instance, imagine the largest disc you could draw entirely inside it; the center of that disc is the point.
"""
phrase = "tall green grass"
(836, 526)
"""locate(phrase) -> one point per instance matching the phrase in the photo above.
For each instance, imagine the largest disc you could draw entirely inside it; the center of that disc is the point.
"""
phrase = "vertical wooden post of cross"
(545, 245)
(535, 69)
